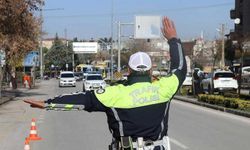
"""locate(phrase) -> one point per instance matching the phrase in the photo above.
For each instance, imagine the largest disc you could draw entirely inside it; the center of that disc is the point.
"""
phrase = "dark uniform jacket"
(139, 109)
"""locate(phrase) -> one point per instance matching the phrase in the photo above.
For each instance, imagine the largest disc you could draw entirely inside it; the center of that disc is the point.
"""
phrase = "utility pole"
(222, 46)
(41, 42)
(65, 36)
(119, 47)
(1, 74)
(112, 45)
(41, 36)
(73, 62)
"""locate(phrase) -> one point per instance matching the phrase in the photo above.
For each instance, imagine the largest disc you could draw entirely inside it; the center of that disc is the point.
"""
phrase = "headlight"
(103, 83)
(87, 83)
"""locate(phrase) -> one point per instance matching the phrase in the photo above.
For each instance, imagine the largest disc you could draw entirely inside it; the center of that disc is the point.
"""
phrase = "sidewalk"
(15, 115)
(9, 94)
(220, 108)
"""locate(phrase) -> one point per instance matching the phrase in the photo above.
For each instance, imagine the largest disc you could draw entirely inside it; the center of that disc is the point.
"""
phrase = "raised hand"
(168, 28)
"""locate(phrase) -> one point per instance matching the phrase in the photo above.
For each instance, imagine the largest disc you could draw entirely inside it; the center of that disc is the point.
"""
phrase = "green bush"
(227, 102)
(220, 100)
(230, 103)
(244, 105)
(202, 97)
(184, 90)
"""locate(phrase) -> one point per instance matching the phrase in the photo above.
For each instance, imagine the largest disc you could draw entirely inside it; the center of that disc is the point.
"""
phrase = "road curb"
(220, 108)
(12, 94)
(6, 99)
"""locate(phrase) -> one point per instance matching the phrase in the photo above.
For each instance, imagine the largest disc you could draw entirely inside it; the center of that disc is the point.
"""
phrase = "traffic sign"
(147, 27)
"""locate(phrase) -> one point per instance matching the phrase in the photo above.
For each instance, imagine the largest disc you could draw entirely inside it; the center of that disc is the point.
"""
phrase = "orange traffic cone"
(33, 133)
(26, 144)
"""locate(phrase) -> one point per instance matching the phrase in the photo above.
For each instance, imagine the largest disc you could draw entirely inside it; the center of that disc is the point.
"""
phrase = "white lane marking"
(40, 121)
(41, 118)
(178, 143)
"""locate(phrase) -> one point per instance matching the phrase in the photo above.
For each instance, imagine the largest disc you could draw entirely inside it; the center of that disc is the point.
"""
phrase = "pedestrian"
(137, 116)
(196, 82)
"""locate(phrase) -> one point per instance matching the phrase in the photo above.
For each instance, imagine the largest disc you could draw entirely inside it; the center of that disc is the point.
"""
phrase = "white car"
(246, 70)
(219, 81)
(93, 81)
(245, 81)
(67, 78)
(188, 80)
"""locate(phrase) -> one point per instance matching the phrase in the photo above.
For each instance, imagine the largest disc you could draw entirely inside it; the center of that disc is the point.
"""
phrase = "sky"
(92, 19)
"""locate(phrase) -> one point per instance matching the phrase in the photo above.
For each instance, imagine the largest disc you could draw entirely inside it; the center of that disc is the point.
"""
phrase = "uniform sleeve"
(178, 65)
(75, 101)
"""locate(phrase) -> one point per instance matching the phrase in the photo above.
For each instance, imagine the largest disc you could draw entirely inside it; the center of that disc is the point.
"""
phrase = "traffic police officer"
(138, 112)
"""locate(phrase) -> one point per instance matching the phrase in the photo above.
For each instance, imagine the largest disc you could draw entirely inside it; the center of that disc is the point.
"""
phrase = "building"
(240, 35)
(188, 47)
(48, 42)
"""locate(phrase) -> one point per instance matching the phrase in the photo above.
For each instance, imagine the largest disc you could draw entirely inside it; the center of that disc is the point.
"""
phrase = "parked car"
(246, 70)
(245, 81)
(45, 77)
(67, 78)
(78, 76)
(188, 80)
(93, 81)
(219, 81)
(187, 84)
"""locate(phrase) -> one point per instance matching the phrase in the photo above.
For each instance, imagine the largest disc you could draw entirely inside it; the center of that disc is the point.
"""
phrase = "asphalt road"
(191, 127)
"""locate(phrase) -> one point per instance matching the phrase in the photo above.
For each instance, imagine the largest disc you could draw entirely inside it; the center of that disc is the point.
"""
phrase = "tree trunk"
(13, 82)
(213, 64)
(12, 72)
(1, 80)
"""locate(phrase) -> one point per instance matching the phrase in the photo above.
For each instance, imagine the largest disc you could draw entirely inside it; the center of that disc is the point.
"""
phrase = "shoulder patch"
(100, 91)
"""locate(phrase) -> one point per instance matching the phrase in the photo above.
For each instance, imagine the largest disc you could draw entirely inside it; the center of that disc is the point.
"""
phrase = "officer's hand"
(168, 28)
(36, 104)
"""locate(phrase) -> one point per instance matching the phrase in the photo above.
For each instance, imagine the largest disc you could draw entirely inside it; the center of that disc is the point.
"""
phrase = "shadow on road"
(18, 93)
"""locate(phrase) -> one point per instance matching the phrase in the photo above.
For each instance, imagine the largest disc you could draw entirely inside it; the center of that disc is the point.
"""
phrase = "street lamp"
(108, 44)
(222, 33)
(119, 43)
